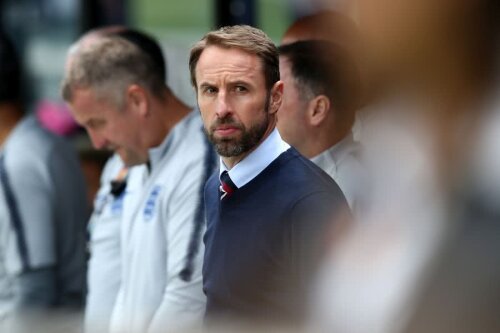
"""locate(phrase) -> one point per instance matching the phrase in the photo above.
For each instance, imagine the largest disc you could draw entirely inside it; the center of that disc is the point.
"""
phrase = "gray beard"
(250, 138)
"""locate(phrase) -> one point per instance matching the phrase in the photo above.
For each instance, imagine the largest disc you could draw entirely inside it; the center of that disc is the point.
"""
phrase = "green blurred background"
(179, 19)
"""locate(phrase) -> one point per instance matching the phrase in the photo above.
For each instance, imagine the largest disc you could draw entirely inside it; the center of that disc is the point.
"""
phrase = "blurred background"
(44, 29)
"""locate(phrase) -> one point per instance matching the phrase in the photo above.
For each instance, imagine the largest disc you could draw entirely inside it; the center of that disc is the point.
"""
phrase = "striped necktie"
(227, 186)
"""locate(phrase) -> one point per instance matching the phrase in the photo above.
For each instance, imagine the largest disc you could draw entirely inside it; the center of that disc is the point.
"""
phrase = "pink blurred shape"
(56, 117)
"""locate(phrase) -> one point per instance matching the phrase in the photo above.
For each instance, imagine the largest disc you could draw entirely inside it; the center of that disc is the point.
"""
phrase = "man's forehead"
(89, 96)
(215, 60)
(86, 104)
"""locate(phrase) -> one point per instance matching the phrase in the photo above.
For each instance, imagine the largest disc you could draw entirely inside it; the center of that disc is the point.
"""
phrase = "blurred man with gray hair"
(104, 226)
(117, 92)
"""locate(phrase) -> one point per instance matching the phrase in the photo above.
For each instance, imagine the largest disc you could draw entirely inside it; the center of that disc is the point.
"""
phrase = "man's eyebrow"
(93, 122)
(233, 83)
(242, 82)
(206, 84)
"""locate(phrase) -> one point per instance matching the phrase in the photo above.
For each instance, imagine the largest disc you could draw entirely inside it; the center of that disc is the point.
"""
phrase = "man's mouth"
(226, 130)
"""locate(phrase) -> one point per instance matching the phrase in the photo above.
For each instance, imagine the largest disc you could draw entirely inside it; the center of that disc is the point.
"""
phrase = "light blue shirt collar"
(330, 158)
(157, 153)
(252, 165)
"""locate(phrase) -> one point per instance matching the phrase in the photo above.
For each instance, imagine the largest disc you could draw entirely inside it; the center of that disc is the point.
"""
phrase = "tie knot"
(227, 186)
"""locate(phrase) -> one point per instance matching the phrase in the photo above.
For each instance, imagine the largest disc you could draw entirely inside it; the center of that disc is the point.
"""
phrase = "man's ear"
(137, 100)
(318, 110)
(276, 97)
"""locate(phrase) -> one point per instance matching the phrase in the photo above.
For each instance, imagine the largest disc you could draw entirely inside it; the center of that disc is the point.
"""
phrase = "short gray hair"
(108, 66)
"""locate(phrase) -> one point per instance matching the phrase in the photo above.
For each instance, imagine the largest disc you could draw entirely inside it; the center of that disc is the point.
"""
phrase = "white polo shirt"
(161, 236)
(104, 267)
(342, 163)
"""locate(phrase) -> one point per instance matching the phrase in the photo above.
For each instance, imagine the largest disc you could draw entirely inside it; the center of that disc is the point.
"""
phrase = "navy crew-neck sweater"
(263, 242)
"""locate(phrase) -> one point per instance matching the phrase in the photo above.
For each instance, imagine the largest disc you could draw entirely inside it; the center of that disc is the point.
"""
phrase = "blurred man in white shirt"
(116, 91)
(321, 95)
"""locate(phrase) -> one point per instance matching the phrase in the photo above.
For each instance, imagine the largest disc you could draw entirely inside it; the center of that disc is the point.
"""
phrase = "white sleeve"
(103, 272)
(183, 303)
(115, 323)
(33, 197)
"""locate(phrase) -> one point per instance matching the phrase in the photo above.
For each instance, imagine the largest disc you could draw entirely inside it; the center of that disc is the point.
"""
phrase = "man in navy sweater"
(268, 209)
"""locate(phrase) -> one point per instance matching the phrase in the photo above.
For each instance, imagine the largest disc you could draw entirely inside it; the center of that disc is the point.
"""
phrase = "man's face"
(233, 100)
(292, 115)
(109, 127)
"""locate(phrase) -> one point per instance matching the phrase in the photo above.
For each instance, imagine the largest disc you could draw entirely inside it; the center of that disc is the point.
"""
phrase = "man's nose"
(223, 105)
(98, 141)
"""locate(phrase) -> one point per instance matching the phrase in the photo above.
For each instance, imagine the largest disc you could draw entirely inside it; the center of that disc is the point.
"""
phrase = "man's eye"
(95, 124)
(241, 89)
(210, 90)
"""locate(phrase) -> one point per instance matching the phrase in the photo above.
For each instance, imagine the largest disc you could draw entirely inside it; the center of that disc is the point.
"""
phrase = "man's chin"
(228, 149)
(130, 161)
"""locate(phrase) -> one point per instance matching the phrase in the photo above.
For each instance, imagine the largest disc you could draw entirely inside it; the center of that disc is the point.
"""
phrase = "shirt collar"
(252, 165)
(157, 153)
(332, 156)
